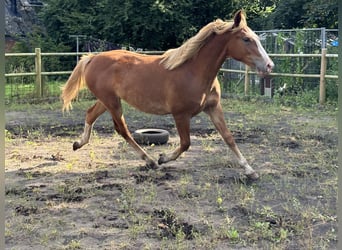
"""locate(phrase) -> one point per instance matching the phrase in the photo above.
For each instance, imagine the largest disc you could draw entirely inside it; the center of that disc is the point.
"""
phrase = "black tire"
(151, 136)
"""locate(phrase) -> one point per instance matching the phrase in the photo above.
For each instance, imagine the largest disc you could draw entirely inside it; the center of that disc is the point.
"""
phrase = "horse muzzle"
(265, 69)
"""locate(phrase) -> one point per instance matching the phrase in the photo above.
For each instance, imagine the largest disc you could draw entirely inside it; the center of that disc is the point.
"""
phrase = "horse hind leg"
(121, 127)
(92, 114)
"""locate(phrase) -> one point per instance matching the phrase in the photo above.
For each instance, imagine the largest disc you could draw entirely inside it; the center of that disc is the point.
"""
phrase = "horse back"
(145, 84)
(138, 79)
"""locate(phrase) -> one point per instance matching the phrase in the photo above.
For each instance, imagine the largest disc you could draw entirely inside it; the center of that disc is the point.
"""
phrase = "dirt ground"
(102, 197)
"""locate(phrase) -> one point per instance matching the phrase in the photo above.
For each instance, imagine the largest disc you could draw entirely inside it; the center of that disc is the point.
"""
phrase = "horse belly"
(147, 92)
(148, 104)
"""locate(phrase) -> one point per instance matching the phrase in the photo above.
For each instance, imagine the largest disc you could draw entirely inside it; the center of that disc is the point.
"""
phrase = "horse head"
(244, 45)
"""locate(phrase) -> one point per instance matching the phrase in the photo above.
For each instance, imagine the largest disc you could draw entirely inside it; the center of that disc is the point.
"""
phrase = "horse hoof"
(253, 176)
(162, 159)
(75, 146)
(151, 165)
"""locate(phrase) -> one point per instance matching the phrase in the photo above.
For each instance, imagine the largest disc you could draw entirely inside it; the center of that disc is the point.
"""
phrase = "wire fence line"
(232, 74)
(305, 60)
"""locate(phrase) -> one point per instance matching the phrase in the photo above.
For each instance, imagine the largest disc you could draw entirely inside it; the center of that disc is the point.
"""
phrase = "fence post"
(246, 80)
(38, 64)
(322, 76)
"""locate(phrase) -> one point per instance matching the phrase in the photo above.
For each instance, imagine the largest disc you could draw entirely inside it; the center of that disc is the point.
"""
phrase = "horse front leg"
(216, 115)
(92, 114)
(183, 128)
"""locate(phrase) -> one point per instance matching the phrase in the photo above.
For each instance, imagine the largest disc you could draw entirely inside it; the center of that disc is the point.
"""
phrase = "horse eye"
(246, 39)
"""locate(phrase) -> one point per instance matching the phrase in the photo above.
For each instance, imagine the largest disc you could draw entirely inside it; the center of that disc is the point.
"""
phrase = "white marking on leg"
(243, 162)
(248, 169)
(86, 134)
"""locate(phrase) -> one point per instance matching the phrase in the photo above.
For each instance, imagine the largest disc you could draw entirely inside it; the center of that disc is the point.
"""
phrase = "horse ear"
(239, 16)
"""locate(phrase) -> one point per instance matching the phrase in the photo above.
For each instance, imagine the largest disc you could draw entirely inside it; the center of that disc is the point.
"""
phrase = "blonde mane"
(175, 57)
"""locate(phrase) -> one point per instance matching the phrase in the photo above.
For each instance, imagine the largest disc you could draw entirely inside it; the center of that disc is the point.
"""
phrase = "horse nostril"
(270, 66)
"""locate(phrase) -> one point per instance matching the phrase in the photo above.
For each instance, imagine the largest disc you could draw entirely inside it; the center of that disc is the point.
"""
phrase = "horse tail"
(75, 82)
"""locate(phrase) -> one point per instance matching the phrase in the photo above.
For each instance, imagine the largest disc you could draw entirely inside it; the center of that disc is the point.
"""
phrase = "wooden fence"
(247, 72)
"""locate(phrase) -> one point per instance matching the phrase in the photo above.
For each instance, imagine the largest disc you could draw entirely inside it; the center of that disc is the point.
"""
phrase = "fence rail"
(247, 72)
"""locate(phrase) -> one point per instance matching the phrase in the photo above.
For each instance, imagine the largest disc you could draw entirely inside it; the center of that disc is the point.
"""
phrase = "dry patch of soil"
(102, 197)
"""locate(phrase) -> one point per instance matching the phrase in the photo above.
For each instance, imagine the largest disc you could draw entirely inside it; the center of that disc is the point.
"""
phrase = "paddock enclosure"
(103, 197)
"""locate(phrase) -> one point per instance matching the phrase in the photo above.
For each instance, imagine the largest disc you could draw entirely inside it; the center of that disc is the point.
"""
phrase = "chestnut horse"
(181, 82)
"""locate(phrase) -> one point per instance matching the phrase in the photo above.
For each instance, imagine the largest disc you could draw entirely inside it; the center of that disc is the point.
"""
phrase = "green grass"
(23, 89)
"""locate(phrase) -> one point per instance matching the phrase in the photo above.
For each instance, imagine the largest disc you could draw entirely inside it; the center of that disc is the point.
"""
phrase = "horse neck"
(211, 56)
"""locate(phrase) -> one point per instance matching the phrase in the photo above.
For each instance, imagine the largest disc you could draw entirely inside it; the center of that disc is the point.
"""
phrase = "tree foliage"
(321, 13)
(161, 24)
(303, 14)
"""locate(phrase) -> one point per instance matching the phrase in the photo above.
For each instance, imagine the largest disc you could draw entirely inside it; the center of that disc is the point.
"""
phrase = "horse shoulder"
(214, 96)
